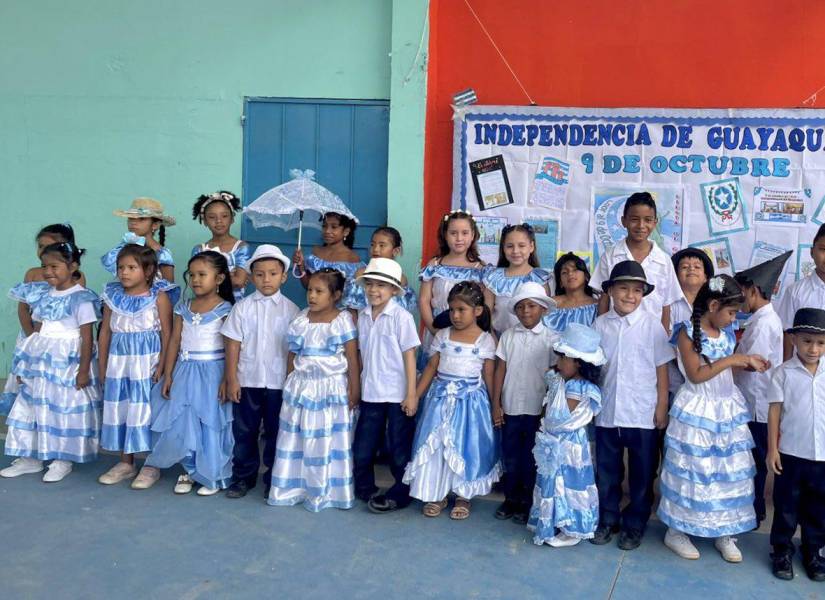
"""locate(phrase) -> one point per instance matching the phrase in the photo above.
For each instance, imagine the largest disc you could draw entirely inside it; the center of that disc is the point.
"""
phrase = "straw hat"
(142, 208)
(383, 269)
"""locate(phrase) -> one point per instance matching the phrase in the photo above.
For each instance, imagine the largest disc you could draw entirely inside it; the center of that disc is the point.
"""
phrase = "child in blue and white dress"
(338, 232)
(565, 500)
(145, 218)
(576, 301)
(50, 234)
(455, 447)
(385, 243)
(217, 212)
(707, 475)
(458, 260)
(517, 264)
(134, 333)
(191, 421)
(313, 456)
(55, 414)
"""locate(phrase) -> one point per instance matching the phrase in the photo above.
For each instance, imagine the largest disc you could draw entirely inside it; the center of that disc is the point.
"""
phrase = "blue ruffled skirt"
(456, 449)
(193, 427)
(565, 496)
(127, 413)
(707, 475)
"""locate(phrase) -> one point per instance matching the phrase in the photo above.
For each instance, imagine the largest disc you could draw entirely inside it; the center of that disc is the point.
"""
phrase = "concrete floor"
(78, 539)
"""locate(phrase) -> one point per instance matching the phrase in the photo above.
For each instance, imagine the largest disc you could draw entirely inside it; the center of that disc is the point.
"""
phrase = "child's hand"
(660, 417)
(158, 375)
(759, 363)
(498, 414)
(167, 386)
(354, 401)
(231, 389)
(82, 381)
(774, 462)
(298, 258)
(410, 405)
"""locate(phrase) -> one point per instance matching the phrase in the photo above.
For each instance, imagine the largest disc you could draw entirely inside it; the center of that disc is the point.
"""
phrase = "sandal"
(461, 510)
(184, 485)
(433, 509)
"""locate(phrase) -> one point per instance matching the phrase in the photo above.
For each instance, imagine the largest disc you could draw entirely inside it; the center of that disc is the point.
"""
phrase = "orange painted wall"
(609, 53)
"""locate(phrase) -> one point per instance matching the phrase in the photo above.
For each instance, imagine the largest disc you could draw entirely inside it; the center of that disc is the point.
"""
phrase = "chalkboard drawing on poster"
(718, 250)
(724, 206)
(608, 207)
(489, 236)
(491, 183)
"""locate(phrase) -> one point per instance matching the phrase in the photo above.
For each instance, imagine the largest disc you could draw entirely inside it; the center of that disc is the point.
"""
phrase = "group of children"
(507, 382)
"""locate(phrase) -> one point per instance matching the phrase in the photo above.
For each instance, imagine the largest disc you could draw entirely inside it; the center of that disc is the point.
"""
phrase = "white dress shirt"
(382, 342)
(763, 336)
(808, 292)
(260, 324)
(528, 354)
(658, 270)
(802, 395)
(635, 345)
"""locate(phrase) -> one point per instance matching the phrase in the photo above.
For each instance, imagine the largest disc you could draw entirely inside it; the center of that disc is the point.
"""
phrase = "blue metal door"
(343, 141)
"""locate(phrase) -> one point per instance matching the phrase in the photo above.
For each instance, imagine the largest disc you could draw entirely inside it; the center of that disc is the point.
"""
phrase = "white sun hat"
(383, 269)
(535, 292)
(266, 251)
(582, 342)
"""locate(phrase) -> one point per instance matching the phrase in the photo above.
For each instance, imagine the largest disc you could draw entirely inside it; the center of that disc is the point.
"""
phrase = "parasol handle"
(296, 272)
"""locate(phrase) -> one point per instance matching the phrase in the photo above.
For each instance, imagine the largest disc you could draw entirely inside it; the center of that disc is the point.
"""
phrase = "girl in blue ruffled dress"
(458, 260)
(517, 264)
(455, 447)
(565, 500)
(385, 243)
(134, 333)
(217, 211)
(707, 475)
(576, 301)
(50, 234)
(55, 414)
(191, 421)
(145, 218)
(338, 233)
(313, 456)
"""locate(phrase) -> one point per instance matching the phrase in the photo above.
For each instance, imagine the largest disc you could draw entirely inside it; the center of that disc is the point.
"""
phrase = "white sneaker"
(681, 544)
(562, 540)
(727, 548)
(206, 491)
(120, 472)
(22, 466)
(58, 469)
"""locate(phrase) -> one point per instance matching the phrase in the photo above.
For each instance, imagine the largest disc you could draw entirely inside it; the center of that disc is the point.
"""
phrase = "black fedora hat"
(693, 253)
(808, 320)
(628, 270)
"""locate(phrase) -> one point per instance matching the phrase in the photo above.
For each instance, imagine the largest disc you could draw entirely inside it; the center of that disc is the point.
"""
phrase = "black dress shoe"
(521, 516)
(506, 510)
(238, 489)
(380, 504)
(815, 568)
(603, 534)
(782, 566)
(630, 539)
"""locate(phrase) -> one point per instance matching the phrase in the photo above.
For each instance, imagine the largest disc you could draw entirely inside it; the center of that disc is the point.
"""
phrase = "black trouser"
(374, 419)
(759, 431)
(642, 447)
(799, 499)
(256, 405)
(518, 436)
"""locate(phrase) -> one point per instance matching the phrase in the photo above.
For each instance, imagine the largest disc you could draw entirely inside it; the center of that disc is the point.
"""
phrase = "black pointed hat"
(764, 275)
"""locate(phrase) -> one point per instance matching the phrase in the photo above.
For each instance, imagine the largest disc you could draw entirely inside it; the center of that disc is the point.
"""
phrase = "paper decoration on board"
(608, 205)
(491, 183)
(489, 230)
(818, 217)
(724, 206)
(763, 252)
(547, 240)
(779, 206)
(587, 257)
(804, 263)
(718, 250)
(551, 183)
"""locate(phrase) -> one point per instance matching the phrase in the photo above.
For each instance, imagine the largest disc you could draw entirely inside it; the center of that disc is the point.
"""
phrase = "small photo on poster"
(491, 183)
(804, 263)
(489, 236)
(779, 207)
(547, 240)
(718, 251)
(724, 206)
(550, 183)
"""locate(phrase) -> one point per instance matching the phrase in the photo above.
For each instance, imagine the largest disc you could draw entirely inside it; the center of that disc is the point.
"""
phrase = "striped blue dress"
(172, 289)
(560, 318)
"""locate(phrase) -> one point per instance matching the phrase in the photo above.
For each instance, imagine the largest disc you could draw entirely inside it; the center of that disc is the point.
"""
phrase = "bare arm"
(697, 370)
(427, 376)
(425, 296)
(498, 385)
(290, 362)
(103, 341)
(662, 384)
(239, 278)
(666, 318)
(773, 459)
(232, 388)
(172, 355)
(168, 273)
(787, 347)
(487, 373)
(353, 373)
(604, 303)
(25, 318)
(165, 315)
(489, 299)
(86, 342)
(410, 403)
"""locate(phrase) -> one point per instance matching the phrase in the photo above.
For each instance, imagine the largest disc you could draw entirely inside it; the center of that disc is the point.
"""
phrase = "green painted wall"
(105, 100)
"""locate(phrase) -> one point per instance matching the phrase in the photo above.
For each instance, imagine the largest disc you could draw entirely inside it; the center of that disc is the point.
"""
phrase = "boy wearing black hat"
(796, 447)
(634, 393)
(762, 336)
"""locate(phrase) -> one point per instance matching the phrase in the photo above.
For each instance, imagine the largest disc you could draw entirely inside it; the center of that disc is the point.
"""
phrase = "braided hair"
(469, 292)
(722, 288)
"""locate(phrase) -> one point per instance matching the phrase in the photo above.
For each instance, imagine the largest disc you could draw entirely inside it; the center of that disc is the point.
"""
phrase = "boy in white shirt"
(387, 339)
(808, 292)
(762, 336)
(256, 352)
(525, 353)
(640, 219)
(634, 393)
(796, 448)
